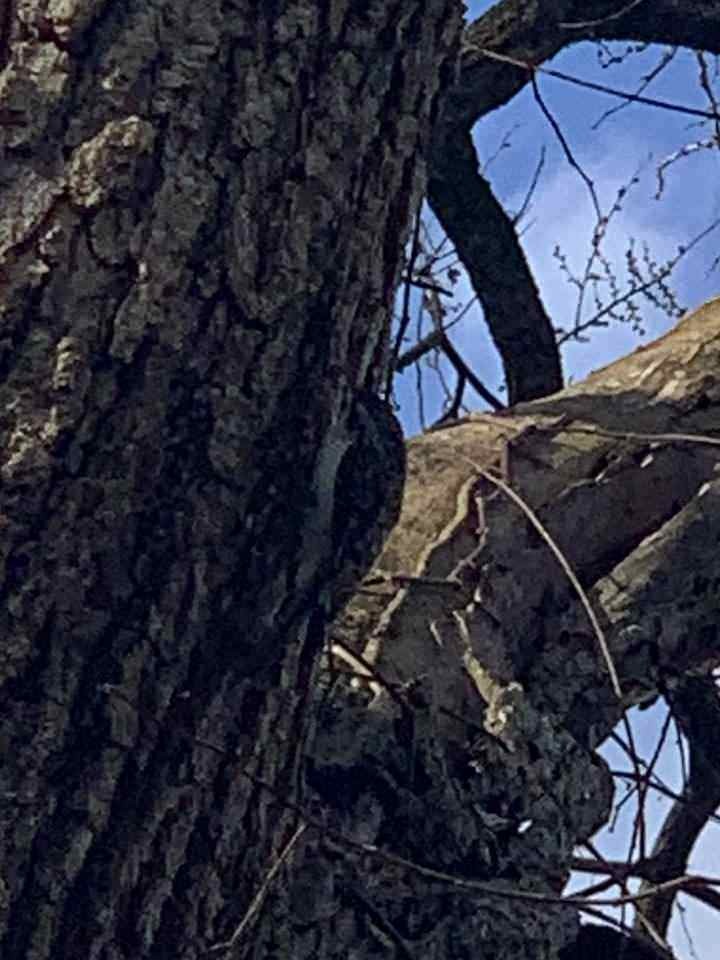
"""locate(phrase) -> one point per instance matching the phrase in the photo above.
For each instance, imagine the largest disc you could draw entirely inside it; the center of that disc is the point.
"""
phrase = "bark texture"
(488, 686)
(202, 212)
(203, 207)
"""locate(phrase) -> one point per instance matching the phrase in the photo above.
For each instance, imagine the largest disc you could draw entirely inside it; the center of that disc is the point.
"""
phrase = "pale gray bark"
(482, 636)
(202, 213)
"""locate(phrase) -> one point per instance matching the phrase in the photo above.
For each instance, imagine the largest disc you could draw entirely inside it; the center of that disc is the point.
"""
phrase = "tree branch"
(487, 243)
(520, 35)
(696, 707)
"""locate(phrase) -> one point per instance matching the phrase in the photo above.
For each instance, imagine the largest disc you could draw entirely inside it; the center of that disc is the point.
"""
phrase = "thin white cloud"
(562, 213)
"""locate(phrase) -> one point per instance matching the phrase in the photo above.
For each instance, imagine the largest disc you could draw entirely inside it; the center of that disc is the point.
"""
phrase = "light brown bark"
(477, 632)
(203, 211)
(203, 207)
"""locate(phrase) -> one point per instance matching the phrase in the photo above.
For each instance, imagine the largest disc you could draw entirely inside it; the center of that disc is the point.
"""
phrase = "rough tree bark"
(203, 207)
(203, 211)
(489, 656)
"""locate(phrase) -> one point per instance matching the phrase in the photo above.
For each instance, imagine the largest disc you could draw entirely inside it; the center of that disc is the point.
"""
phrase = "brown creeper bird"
(368, 492)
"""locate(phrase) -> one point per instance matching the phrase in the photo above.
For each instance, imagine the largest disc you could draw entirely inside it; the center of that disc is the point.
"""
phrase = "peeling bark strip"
(632, 510)
(488, 652)
(202, 211)
(202, 208)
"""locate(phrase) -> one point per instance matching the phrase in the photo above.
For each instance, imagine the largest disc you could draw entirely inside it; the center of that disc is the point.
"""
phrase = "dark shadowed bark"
(203, 209)
(202, 212)
(476, 631)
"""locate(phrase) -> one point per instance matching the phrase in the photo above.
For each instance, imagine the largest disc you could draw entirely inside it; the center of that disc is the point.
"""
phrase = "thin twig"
(260, 896)
(566, 147)
(531, 189)
(600, 87)
(474, 886)
(666, 59)
(700, 438)
(567, 569)
(584, 25)
(405, 313)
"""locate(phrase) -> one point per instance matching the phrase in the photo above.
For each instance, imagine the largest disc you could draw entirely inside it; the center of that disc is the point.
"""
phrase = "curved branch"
(697, 708)
(528, 31)
(485, 239)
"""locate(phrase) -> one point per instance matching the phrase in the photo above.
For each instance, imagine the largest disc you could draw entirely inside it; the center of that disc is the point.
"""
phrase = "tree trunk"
(203, 212)
(489, 683)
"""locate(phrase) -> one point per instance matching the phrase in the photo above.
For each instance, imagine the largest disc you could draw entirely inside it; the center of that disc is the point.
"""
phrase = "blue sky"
(635, 138)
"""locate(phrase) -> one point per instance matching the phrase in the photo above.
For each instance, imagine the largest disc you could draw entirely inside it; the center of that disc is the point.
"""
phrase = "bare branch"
(466, 373)
(697, 708)
(578, 25)
(566, 147)
(600, 87)
(405, 312)
(665, 60)
(531, 189)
